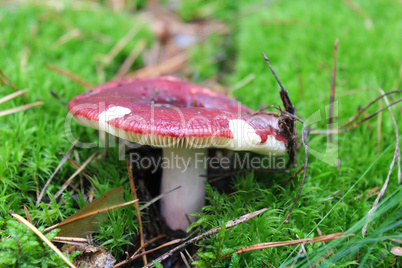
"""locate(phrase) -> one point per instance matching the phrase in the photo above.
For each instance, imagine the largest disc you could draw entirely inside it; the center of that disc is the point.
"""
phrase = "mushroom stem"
(183, 167)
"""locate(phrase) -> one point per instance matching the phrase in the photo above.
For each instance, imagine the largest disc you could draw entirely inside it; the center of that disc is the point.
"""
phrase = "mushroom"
(185, 120)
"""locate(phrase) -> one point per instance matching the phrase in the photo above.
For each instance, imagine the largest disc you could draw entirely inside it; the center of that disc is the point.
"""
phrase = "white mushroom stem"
(186, 168)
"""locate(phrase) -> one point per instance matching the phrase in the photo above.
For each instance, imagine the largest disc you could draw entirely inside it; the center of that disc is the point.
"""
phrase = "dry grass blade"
(167, 66)
(396, 157)
(65, 185)
(121, 44)
(229, 224)
(129, 61)
(13, 95)
(153, 200)
(63, 160)
(20, 108)
(332, 93)
(137, 208)
(36, 231)
(184, 260)
(6, 81)
(285, 243)
(70, 75)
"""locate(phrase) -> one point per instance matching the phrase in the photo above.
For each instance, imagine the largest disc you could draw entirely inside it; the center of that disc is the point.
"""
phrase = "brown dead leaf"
(82, 227)
(90, 256)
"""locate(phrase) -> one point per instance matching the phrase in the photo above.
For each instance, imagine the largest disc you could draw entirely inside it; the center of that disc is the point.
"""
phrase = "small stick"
(63, 160)
(20, 108)
(228, 225)
(44, 239)
(72, 76)
(64, 186)
(13, 95)
(89, 214)
(137, 208)
(292, 176)
(332, 92)
(77, 166)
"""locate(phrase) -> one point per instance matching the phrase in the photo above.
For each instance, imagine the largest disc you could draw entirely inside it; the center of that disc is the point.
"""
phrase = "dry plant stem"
(285, 243)
(395, 158)
(44, 239)
(20, 108)
(65, 185)
(229, 224)
(63, 160)
(72, 76)
(13, 95)
(332, 93)
(137, 208)
(89, 214)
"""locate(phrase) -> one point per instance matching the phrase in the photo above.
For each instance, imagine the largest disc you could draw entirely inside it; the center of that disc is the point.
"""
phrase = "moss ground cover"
(298, 37)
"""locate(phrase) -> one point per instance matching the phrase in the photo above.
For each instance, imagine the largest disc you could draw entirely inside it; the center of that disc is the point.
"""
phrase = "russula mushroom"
(185, 120)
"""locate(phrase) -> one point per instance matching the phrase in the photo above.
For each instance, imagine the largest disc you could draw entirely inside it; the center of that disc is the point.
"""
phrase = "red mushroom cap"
(169, 112)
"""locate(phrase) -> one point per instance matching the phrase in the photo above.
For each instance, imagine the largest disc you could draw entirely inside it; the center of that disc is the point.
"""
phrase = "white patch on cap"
(110, 114)
(245, 138)
(244, 135)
